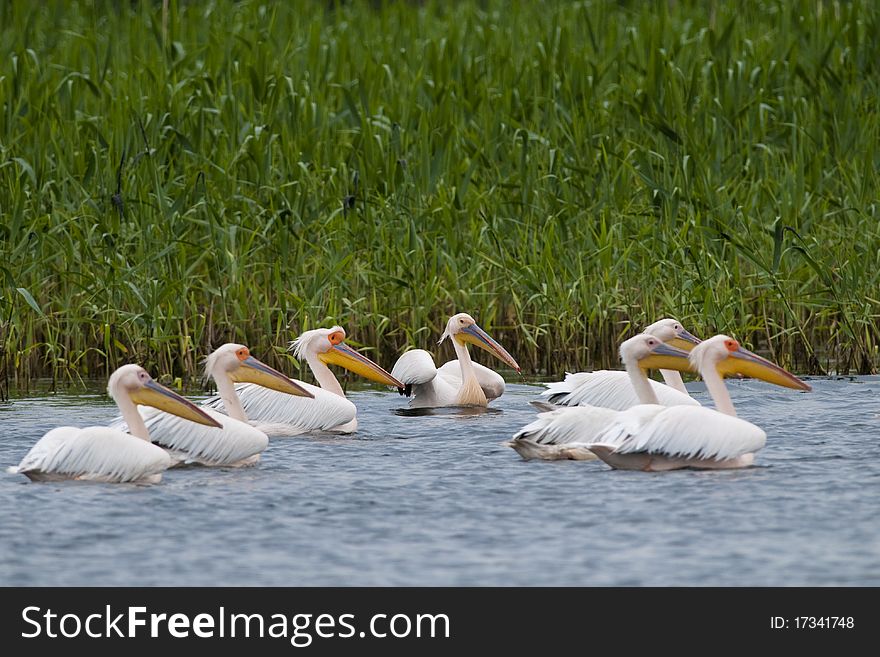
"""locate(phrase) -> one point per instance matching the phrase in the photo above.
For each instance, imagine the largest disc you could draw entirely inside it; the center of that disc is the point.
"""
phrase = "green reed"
(565, 172)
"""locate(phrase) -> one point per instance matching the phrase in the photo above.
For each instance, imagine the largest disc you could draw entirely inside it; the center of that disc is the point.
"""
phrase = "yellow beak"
(157, 396)
(344, 356)
(740, 362)
(255, 371)
(744, 362)
(477, 336)
(665, 356)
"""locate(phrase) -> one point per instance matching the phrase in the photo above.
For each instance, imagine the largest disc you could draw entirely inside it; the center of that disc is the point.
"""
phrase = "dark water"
(437, 500)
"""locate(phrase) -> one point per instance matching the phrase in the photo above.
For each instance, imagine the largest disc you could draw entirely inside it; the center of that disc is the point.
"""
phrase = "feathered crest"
(299, 346)
(447, 333)
(210, 361)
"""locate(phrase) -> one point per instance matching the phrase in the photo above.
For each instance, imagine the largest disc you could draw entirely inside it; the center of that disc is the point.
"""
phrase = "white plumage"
(108, 454)
(415, 368)
(652, 437)
(613, 389)
(680, 432)
(279, 414)
(491, 383)
(235, 444)
(608, 389)
(93, 454)
(552, 435)
(563, 433)
(459, 382)
(434, 387)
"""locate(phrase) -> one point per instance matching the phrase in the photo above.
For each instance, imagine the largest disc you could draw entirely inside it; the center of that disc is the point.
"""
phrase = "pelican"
(651, 437)
(464, 383)
(237, 443)
(279, 414)
(106, 454)
(564, 431)
(612, 389)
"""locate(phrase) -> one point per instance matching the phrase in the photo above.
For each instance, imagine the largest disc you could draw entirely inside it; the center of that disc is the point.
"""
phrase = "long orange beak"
(477, 336)
(158, 396)
(255, 371)
(744, 362)
(344, 356)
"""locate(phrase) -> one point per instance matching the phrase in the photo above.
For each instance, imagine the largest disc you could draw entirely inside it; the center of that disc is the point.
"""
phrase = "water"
(437, 500)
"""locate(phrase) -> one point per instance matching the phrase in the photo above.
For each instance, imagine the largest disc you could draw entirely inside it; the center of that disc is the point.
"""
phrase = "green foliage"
(564, 172)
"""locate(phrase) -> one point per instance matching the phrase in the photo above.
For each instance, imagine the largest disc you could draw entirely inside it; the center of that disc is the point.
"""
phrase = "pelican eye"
(242, 353)
(336, 338)
(732, 345)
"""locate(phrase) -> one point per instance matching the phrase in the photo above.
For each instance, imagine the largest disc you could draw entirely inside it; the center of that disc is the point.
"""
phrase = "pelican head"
(235, 362)
(672, 332)
(328, 345)
(134, 382)
(730, 358)
(463, 329)
(650, 353)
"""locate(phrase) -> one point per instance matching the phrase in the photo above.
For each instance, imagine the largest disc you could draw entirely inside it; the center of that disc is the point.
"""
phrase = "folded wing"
(264, 406)
(608, 389)
(94, 453)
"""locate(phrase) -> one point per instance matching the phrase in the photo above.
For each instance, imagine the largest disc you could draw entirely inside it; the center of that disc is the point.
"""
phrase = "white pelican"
(565, 431)
(613, 389)
(237, 443)
(111, 455)
(280, 414)
(651, 437)
(462, 383)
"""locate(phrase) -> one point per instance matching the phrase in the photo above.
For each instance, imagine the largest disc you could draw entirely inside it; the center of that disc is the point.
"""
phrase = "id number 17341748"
(812, 622)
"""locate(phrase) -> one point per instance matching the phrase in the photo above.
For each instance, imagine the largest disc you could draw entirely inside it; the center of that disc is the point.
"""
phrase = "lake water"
(437, 500)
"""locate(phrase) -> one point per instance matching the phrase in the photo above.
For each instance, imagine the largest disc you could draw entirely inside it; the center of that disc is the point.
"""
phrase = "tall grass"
(565, 172)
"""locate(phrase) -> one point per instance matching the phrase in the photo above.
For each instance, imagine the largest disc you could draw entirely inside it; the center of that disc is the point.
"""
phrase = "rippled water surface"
(438, 500)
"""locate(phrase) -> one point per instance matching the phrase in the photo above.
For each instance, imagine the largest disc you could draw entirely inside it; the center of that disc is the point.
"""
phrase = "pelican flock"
(326, 409)
(621, 417)
(685, 437)
(236, 443)
(613, 389)
(650, 436)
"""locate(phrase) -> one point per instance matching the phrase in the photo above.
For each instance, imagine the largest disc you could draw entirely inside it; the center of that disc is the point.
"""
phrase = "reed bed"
(174, 178)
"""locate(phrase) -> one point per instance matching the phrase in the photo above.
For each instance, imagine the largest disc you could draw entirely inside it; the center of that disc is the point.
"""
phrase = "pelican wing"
(264, 406)
(567, 425)
(416, 370)
(228, 445)
(415, 367)
(45, 449)
(683, 432)
(562, 433)
(490, 381)
(608, 389)
(94, 453)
